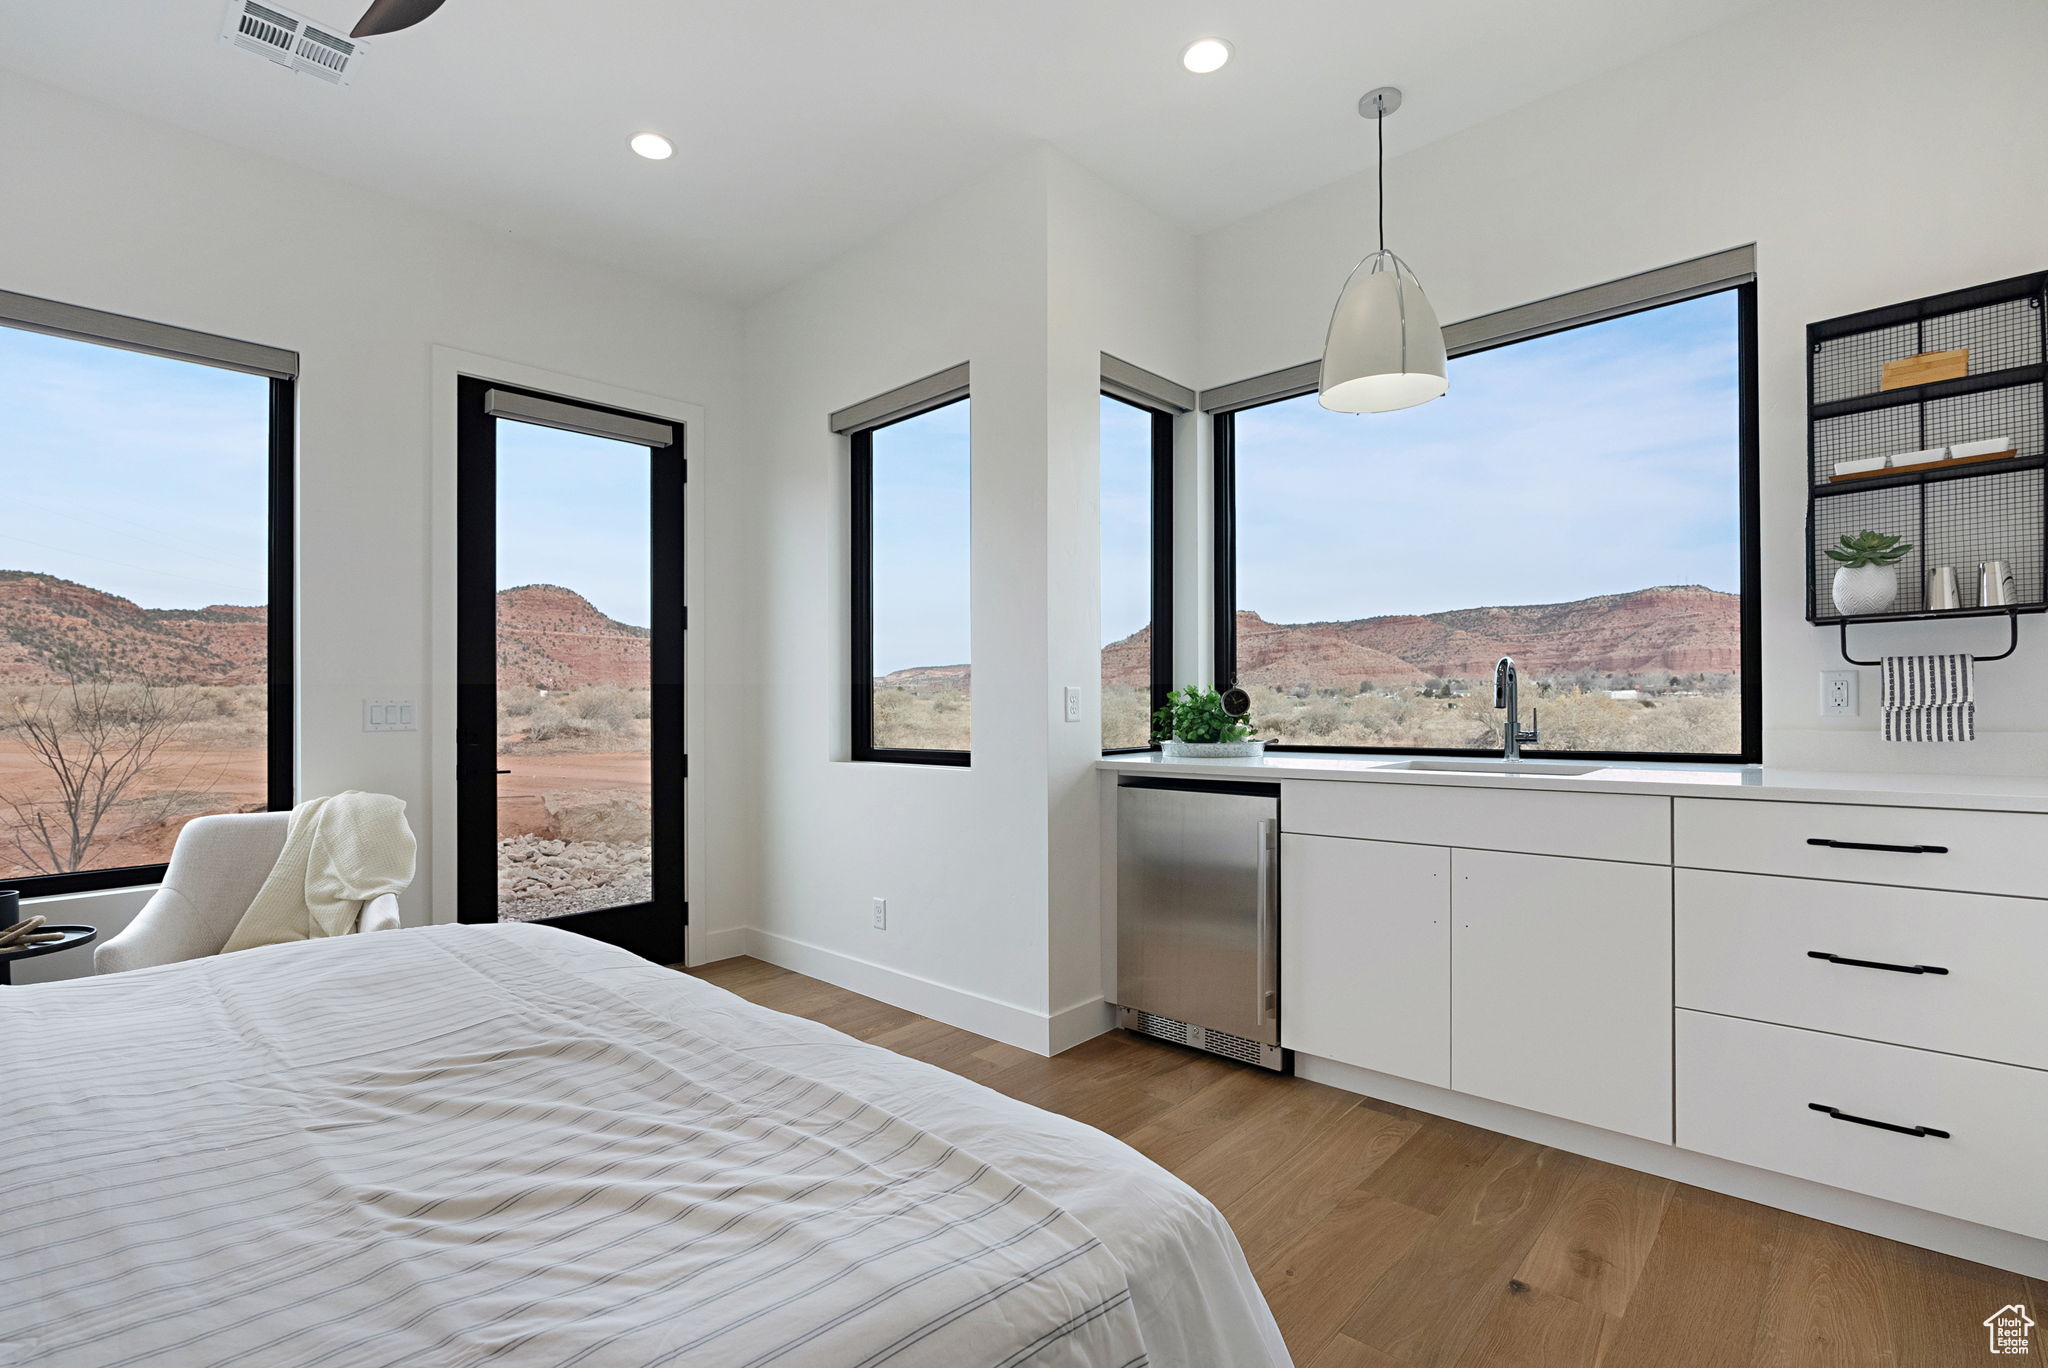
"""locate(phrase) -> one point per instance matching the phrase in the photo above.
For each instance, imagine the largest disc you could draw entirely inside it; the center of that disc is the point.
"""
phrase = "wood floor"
(1387, 1238)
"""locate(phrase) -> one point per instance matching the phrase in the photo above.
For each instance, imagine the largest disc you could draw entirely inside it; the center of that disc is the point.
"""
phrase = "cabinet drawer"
(1592, 826)
(1975, 852)
(1747, 1092)
(1750, 945)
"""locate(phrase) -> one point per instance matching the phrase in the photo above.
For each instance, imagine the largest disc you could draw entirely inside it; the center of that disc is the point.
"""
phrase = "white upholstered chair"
(216, 868)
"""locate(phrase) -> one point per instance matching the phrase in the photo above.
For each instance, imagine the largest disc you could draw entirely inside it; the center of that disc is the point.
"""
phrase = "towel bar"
(2012, 620)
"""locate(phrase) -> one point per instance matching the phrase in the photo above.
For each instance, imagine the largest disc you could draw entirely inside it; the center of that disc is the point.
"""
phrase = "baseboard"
(1004, 1021)
(1070, 1026)
(1873, 1215)
(722, 944)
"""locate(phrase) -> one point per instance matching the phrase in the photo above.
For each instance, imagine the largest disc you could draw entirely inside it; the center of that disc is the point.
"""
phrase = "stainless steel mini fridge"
(1198, 914)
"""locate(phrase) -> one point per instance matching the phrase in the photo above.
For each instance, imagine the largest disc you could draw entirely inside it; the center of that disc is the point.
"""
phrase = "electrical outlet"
(1073, 704)
(389, 715)
(881, 914)
(1838, 693)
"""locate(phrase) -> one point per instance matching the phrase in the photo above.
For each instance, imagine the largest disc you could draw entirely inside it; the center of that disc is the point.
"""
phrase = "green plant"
(1196, 715)
(1868, 548)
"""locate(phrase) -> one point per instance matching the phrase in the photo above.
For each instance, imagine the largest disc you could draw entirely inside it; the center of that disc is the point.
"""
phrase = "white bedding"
(458, 1145)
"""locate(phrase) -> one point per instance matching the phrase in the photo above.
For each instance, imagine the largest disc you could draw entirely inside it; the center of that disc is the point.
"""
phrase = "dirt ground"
(142, 831)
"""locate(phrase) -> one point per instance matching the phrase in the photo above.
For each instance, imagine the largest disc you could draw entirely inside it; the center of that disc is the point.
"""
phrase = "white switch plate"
(1073, 704)
(1838, 690)
(390, 715)
(881, 914)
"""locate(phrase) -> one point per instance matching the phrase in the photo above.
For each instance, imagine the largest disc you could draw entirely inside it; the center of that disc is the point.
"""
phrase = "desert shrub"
(601, 707)
(548, 721)
(519, 702)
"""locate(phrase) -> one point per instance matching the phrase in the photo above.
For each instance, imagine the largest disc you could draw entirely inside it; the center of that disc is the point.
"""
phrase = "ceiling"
(804, 126)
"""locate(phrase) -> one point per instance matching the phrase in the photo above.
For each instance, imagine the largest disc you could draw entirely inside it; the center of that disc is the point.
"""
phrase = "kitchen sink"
(1537, 768)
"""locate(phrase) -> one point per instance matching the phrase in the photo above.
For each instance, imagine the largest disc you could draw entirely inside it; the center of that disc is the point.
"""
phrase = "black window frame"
(280, 724)
(861, 445)
(1224, 532)
(1161, 596)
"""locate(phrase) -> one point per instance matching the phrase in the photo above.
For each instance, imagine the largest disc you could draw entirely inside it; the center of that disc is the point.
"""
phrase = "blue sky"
(573, 511)
(133, 474)
(1587, 462)
(923, 526)
(1126, 519)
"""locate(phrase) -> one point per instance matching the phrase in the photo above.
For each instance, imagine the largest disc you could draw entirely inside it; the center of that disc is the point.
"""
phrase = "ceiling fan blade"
(389, 16)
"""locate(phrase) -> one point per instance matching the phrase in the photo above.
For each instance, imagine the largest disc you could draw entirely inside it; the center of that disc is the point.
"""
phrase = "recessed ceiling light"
(653, 146)
(1205, 55)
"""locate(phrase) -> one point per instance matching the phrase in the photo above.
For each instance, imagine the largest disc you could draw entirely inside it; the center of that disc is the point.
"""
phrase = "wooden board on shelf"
(1924, 465)
(1925, 369)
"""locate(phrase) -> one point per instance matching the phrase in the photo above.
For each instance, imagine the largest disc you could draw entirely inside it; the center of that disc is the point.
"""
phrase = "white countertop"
(1984, 792)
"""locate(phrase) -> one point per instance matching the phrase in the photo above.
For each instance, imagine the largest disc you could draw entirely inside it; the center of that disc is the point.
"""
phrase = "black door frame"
(653, 929)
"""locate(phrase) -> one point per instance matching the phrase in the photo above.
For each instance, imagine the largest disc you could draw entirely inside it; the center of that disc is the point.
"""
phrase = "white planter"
(1212, 750)
(1865, 589)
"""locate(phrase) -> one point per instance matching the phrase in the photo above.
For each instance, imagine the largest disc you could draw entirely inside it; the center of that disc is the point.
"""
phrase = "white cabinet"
(1561, 987)
(1935, 1131)
(1597, 826)
(1365, 954)
(1973, 852)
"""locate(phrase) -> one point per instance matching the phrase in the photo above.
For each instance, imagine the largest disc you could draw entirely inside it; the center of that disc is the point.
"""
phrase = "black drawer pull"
(1840, 1115)
(1867, 845)
(1876, 964)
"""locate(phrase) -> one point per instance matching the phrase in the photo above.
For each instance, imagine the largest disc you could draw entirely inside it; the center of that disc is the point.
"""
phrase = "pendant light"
(1385, 350)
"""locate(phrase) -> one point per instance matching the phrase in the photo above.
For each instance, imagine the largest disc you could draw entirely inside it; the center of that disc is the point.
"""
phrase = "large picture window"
(1137, 540)
(144, 644)
(1583, 500)
(912, 553)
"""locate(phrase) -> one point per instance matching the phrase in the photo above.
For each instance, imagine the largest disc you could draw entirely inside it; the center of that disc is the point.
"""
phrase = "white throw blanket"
(339, 854)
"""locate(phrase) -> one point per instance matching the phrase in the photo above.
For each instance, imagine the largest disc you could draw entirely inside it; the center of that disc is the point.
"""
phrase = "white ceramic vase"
(1864, 589)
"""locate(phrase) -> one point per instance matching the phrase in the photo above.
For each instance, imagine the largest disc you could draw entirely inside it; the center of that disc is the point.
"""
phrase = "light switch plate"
(1838, 690)
(390, 715)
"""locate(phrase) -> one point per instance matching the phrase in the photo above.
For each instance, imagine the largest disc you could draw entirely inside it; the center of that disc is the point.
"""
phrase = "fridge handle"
(1268, 838)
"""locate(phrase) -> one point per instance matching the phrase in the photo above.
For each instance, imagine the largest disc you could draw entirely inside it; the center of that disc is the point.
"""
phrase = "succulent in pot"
(1198, 724)
(1867, 577)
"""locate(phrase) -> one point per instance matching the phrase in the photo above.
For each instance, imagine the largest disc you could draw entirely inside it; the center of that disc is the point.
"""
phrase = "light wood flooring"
(1387, 1238)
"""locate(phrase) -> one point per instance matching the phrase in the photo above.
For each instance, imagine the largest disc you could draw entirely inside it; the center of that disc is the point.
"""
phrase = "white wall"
(1874, 150)
(120, 213)
(991, 872)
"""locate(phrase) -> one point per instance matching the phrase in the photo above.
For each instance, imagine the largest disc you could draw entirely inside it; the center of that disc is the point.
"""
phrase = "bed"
(507, 1144)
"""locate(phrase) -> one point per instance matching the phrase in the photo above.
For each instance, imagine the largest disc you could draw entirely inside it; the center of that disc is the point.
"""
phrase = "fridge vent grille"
(1232, 1047)
(1166, 1028)
(1215, 1042)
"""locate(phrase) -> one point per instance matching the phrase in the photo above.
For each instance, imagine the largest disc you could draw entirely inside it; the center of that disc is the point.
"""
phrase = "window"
(1137, 550)
(1583, 500)
(144, 639)
(913, 677)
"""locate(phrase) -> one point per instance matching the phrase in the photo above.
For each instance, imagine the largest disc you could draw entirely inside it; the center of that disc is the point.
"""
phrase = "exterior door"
(570, 625)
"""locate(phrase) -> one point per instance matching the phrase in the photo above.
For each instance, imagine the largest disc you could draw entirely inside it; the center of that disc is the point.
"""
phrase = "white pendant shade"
(1385, 350)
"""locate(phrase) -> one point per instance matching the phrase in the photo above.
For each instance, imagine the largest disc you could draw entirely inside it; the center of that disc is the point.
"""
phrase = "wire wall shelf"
(1990, 502)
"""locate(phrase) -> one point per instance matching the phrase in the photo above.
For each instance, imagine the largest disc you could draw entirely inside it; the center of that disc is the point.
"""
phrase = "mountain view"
(1656, 669)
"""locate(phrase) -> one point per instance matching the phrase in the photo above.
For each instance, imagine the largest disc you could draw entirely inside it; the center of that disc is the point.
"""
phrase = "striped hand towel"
(1930, 698)
(1929, 681)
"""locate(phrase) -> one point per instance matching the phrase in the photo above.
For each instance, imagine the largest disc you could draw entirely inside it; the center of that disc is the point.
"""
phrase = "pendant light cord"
(1382, 131)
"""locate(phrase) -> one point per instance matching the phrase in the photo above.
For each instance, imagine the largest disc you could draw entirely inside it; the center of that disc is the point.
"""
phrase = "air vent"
(1215, 1042)
(290, 40)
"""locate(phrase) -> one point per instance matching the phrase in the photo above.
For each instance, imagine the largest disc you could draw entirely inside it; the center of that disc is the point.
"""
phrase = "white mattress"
(459, 1145)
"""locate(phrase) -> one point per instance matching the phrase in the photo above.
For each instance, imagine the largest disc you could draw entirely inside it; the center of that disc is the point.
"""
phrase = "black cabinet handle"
(1838, 1114)
(1866, 845)
(1876, 964)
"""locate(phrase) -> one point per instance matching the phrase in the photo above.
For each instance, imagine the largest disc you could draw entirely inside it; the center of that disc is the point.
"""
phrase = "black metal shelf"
(1937, 389)
(1963, 514)
(1919, 477)
(2004, 610)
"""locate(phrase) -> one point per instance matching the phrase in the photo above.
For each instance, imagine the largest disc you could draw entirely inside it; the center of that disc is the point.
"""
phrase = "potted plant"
(1195, 725)
(1868, 579)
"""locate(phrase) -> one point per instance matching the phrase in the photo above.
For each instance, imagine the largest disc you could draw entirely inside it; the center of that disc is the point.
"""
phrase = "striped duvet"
(466, 1145)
